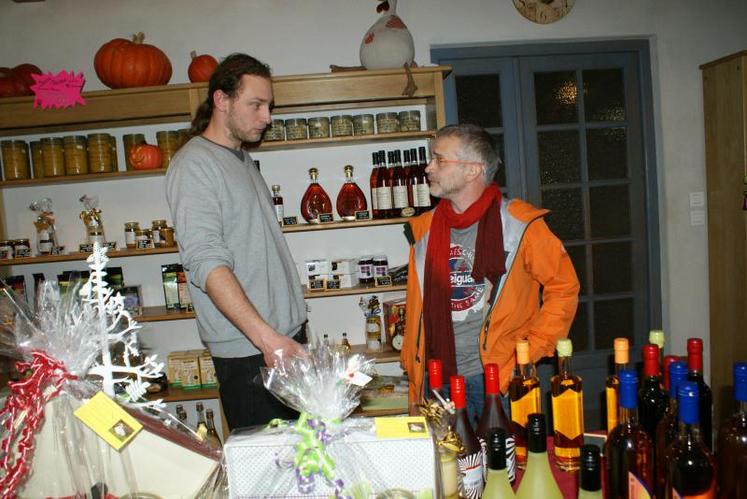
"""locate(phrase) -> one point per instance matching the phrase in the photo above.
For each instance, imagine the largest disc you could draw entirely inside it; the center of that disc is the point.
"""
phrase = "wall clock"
(544, 11)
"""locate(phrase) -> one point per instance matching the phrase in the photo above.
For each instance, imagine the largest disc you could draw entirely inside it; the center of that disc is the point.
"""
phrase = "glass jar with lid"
(100, 153)
(409, 121)
(295, 129)
(15, 156)
(130, 229)
(387, 123)
(342, 125)
(168, 143)
(129, 141)
(274, 132)
(21, 248)
(76, 154)
(37, 159)
(6, 250)
(53, 156)
(319, 127)
(143, 239)
(363, 124)
(156, 226)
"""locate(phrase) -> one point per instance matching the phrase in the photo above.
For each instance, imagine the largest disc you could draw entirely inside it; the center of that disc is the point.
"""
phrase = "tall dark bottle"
(372, 185)
(590, 476)
(470, 461)
(628, 450)
(384, 201)
(493, 416)
(705, 397)
(732, 442)
(497, 483)
(666, 430)
(668, 359)
(692, 472)
(652, 400)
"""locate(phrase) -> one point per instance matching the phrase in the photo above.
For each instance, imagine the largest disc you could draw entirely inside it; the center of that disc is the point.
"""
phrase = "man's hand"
(275, 346)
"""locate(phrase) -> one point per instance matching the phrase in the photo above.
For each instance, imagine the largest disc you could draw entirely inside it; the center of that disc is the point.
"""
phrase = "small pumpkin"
(122, 63)
(17, 81)
(145, 157)
(201, 68)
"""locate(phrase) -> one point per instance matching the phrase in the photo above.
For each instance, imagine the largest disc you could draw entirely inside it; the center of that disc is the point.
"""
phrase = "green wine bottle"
(497, 485)
(537, 480)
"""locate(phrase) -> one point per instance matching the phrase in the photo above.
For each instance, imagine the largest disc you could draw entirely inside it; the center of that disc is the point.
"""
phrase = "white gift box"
(317, 267)
(344, 266)
(254, 462)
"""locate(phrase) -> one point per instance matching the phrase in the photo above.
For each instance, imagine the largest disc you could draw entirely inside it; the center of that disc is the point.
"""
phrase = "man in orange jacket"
(483, 272)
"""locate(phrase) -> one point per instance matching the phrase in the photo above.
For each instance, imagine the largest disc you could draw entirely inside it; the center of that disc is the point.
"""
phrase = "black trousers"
(245, 400)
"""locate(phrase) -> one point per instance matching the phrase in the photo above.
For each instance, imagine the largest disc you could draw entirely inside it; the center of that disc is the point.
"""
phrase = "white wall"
(306, 36)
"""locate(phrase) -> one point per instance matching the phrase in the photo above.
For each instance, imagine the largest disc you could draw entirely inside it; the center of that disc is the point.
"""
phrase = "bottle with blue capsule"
(732, 442)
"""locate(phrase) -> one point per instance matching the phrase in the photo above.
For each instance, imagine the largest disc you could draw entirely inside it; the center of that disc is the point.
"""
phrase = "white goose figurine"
(388, 43)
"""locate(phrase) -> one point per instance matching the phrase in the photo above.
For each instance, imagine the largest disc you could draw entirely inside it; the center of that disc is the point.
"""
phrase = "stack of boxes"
(191, 370)
(323, 274)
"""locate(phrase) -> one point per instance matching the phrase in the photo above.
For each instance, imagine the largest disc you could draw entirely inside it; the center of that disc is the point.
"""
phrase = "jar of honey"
(15, 155)
(130, 140)
(115, 159)
(168, 143)
(342, 125)
(37, 159)
(76, 155)
(130, 229)
(53, 156)
(156, 226)
(167, 237)
(100, 153)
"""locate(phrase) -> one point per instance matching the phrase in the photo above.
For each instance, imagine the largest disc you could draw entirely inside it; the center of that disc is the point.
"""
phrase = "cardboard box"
(344, 266)
(190, 370)
(392, 316)
(208, 379)
(343, 280)
(316, 268)
(170, 288)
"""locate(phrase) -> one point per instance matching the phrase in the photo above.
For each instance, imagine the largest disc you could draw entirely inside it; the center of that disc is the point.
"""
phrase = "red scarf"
(489, 262)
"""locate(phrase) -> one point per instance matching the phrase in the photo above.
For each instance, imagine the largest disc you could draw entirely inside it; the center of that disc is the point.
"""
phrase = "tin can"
(409, 121)
(275, 132)
(295, 129)
(318, 128)
(342, 125)
(15, 155)
(363, 124)
(387, 122)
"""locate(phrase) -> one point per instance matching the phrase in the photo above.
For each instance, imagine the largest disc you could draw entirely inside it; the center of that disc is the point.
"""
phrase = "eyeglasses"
(444, 161)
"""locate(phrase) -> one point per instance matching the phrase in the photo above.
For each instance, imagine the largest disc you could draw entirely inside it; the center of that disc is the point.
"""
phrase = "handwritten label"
(362, 215)
(58, 91)
(383, 281)
(325, 218)
(290, 221)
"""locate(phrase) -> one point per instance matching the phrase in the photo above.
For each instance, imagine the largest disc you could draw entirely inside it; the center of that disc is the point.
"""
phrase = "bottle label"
(526, 405)
(510, 458)
(400, 196)
(279, 212)
(374, 198)
(636, 488)
(384, 196)
(611, 393)
(708, 494)
(470, 472)
(567, 409)
(424, 196)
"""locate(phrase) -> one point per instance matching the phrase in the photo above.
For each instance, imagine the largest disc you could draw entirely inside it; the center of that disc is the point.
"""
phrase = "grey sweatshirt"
(223, 215)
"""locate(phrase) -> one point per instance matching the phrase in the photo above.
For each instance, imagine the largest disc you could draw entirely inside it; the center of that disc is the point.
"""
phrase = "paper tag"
(58, 91)
(356, 377)
(107, 419)
(399, 427)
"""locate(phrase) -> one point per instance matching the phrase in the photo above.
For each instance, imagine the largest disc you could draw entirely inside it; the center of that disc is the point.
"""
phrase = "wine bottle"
(524, 395)
(732, 442)
(384, 189)
(668, 359)
(567, 410)
(212, 435)
(470, 461)
(493, 416)
(705, 397)
(407, 166)
(656, 337)
(628, 449)
(315, 200)
(692, 472)
(372, 184)
(652, 400)
(666, 430)
(399, 187)
(435, 379)
(497, 484)
(350, 198)
(538, 480)
(201, 428)
(590, 479)
(611, 388)
(277, 202)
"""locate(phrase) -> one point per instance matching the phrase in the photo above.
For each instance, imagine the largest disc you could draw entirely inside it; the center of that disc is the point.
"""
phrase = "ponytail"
(202, 117)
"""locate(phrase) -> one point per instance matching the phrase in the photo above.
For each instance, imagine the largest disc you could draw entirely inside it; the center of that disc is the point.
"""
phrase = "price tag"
(383, 281)
(401, 427)
(108, 420)
(325, 218)
(318, 284)
(290, 221)
(333, 284)
(85, 248)
(363, 215)
(58, 91)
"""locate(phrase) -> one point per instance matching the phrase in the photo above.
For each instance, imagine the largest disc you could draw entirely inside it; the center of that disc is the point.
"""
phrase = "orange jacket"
(535, 257)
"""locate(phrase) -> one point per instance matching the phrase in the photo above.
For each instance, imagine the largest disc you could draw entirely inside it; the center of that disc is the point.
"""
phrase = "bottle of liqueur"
(345, 344)
(621, 348)
(692, 471)
(666, 430)
(590, 477)
(315, 200)
(469, 462)
(435, 379)
(212, 435)
(201, 429)
(425, 200)
(705, 397)
(524, 395)
(652, 400)
(538, 480)
(497, 484)
(277, 202)
(399, 187)
(732, 442)
(493, 416)
(372, 184)
(656, 337)
(407, 173)
(628, 449)
(567, 410)
(384, 189)
(668, 359)
(181, 415)
(350, 198)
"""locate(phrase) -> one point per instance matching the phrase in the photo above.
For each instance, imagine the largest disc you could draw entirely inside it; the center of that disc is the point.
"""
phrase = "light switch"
(697, 217)
(697, 199)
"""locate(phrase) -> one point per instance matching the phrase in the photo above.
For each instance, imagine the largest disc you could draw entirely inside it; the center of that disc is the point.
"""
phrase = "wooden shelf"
(304, 227)
(387, 355)
(69, 257)
(282, 145)
(160, 313)
(357, 290)
(91, 177)
(173, 394)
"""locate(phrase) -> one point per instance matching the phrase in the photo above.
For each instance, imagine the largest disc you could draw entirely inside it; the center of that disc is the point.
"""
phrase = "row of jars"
(15, 248)
(160, 235)
(342, 125)
(78, 154)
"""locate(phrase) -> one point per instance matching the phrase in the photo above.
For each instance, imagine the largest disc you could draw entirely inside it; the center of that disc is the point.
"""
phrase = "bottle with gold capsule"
(567, 410)
(611, 387)
(524, 395)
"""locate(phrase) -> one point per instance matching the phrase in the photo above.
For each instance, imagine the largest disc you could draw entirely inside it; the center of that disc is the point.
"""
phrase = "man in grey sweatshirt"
(242, 279)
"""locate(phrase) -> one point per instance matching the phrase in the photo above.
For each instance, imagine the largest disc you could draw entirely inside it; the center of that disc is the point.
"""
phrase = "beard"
(238, 133)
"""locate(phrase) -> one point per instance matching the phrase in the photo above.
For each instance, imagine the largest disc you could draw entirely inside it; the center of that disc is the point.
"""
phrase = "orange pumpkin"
(122, 63)
(201, 67)
(145, 157)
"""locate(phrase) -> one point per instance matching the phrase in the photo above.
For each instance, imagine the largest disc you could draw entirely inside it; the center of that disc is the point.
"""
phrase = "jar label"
(365, 270)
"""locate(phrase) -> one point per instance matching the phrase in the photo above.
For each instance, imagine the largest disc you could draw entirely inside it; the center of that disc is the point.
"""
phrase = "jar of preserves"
(342, 125)
(363, 124)
(276, 131)
(380, 266)
(143, 239)
(167, 237)
(53, 156)
(387, 122)
(6, 250)
(156, 226)
(129, 141)
(37, 159)
(76, 155)
(15, 155)
(21, 248)
(409, 121)
(115, 156)
(318, 128)
(100, 153)
(365, 270)
(295, 129)
(130, 229)
(168, 143)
